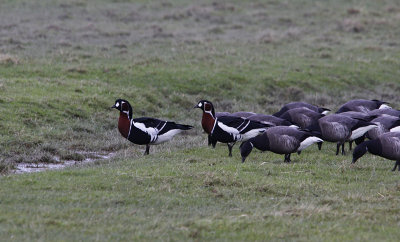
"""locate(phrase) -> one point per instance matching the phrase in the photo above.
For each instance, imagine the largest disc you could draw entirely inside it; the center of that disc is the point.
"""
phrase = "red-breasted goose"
(228, 129)
(145, 131)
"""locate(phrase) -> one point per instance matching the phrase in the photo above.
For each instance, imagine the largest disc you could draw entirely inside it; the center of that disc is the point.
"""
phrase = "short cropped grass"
(63, 64)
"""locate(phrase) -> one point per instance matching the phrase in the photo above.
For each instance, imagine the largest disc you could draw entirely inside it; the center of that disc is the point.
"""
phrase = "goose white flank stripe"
(252, 133)
(395, 129)
(325, 112)
(309, 141)
(227, 128)
(357, 133)
(384, 106)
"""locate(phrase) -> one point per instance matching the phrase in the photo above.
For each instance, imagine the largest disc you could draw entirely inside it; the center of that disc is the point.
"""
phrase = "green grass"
(63, 65)
(201, 195)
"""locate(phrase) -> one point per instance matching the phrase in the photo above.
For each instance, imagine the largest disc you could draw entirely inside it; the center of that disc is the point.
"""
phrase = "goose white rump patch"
(228, 129)
(252, 133)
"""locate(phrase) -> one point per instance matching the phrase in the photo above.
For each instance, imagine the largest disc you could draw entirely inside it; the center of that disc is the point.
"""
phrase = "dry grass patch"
(7, 59)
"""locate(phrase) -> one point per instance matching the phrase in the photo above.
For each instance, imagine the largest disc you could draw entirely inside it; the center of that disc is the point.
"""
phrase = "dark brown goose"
(242, 114)
(301, 105)
(359, 115)
(281, 140)
(302, 117)
(385, 111)
(338, 128)
(387, 146)
(269, 119)
(362, 105)
(384, 124)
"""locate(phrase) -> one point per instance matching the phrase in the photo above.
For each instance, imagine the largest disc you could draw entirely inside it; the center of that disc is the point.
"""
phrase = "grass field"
(63, 64)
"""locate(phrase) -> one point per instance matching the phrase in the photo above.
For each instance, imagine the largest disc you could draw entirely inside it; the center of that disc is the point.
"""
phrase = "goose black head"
(206, 106)
(245, 149)
(381, 104)
(359, 151)
(123, 106)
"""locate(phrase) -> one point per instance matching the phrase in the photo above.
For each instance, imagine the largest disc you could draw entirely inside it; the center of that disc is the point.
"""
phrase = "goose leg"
(230, 145)
(337, 148)
(343, 152)
(288, 158)
(396, 165)
(319, 145)
(350, 144)
(147, 150)
(212, 141)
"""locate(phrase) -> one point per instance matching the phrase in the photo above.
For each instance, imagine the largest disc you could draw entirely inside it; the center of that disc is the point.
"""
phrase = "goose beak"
(243, 159)
(196, 106)
(113, 106)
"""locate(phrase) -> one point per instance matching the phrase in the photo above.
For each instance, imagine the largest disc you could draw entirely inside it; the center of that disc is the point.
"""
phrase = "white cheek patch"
(199, 105)
(117, 105)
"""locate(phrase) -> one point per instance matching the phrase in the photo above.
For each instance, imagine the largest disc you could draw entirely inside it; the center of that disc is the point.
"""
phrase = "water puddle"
(37, 167)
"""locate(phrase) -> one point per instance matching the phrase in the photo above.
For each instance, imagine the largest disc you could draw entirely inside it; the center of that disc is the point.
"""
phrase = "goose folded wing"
(148, 125)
